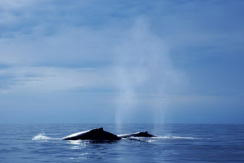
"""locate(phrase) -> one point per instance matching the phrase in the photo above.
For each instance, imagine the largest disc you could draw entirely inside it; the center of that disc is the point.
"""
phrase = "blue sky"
(121, 61)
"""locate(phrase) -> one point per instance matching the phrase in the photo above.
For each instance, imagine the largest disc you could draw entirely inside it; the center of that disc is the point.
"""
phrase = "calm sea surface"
(175, 143)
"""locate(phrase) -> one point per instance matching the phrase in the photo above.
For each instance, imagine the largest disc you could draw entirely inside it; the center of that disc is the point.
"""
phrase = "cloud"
(11, 5)
(59, 39)
(145, 52)
(11, 11)
(52, 79)
(116, 59)
(71, 45)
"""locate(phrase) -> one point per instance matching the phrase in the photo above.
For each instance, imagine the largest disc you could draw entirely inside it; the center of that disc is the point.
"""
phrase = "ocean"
(176, 143)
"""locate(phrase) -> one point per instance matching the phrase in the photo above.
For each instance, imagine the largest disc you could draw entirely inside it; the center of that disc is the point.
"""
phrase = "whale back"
(143, 134)
(138, 134)
(95, 134)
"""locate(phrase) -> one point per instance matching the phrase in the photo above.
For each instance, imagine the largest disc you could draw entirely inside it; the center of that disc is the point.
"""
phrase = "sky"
(121, 61)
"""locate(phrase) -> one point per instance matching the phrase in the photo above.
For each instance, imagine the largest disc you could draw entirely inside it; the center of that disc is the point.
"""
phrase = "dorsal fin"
(100, 129)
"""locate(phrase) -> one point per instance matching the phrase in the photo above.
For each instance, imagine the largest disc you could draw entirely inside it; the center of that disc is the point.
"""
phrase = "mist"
(145, 75)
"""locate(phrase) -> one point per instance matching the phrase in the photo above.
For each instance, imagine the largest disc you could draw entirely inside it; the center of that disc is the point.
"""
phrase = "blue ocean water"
(175, 143)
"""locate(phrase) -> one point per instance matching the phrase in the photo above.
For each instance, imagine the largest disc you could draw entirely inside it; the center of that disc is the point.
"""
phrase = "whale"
(137, 134)
(98, 134)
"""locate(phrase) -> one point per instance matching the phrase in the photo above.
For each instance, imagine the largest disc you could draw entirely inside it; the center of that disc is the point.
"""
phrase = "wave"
(42, 136)
(176, 137)
(158, 138)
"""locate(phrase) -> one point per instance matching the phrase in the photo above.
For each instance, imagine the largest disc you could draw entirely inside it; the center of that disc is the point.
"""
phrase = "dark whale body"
(137, 134)
(98, 134)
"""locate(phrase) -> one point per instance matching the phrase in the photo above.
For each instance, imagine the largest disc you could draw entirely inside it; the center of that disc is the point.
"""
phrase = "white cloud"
(13, 4)
(68, 46)
(135, 63)
(140, 59)
(49, 79)
(11, 11)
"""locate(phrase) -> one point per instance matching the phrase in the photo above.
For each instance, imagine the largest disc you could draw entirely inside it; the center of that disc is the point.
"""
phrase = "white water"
(43, 137)
(176, 137)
